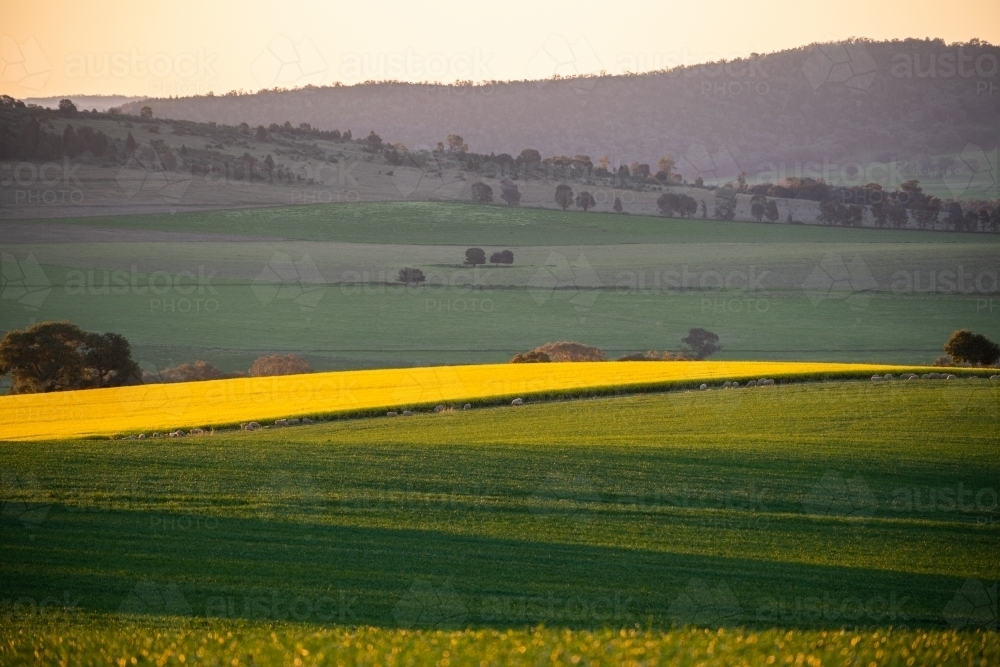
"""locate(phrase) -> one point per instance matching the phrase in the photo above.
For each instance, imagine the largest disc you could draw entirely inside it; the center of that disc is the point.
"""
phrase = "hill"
(818, 107)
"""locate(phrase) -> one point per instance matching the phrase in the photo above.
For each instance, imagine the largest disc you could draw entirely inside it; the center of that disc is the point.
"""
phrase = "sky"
(181, 47)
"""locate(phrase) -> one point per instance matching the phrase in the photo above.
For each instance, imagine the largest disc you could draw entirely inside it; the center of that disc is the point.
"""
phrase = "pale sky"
(181, 47)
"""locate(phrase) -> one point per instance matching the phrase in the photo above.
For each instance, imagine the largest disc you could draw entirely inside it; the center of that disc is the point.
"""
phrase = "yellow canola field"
(162, 407)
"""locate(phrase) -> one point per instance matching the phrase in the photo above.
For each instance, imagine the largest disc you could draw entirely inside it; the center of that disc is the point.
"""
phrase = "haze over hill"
(810, 109)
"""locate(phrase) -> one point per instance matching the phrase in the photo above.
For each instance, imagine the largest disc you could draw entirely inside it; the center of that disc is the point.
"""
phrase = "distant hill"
(914, 100)
(98, 102)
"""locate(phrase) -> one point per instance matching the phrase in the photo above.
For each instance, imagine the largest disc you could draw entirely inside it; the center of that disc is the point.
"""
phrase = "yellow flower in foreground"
(160, 407)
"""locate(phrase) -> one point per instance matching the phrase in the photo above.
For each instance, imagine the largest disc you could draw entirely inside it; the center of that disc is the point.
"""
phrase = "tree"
(564, 196)
(771, 211)
(984, 219)
(67, 108)
(56, 356)
(411, 276)
(757, 206)
(964, 346)
(701, 343)
(704, 210)
(70, 143)
(269, 167)
(261, 133)
(279, 364)
(854, 215)
(109, 358)
(475, 256)
(529, 157)
(667, 203)
(666, 165)
(456, 144)
(129, 144)
(169, 160)
(507, 257)
(44, 357)
(496, 258)
(146, 112)
(725, 204)
(617, 207)
(509, 192)
(954, 216)
(971, 220)
(880, 214)
(699, 182)
(482, 193)
(585, 200)
(995, 220)
(897, 214)
(374, 141)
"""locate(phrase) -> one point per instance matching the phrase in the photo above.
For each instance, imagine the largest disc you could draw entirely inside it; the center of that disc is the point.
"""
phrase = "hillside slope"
(832, 103)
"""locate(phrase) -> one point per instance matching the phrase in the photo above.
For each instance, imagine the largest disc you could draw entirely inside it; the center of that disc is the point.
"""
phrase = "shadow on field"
(188, 566)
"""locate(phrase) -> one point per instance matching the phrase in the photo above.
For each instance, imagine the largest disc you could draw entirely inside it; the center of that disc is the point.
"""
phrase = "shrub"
(568, 351)
(199, 370)
(279, 364)
(532, 357)
(411, 276)
(482, 193)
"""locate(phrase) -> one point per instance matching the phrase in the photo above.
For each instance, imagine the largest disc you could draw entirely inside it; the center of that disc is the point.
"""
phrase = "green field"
(799, 509)
(437, 223)
(319, 281)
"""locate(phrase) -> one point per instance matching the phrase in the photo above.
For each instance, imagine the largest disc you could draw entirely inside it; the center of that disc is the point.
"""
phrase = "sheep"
(293, 422)
(876, 378)
(769, 382)
(407, 413)
(751, 383)
(281, 422)
(197, 431)
(888, 376)
(391, 413)
(995, 377)
(703, 387)
(517, 401)
(949, 376)
(306, 420)
(467, 406)
(439, 408)
(141, 436)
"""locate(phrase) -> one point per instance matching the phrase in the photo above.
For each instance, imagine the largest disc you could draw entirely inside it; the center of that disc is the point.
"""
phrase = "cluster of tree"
(965, 347)
(58, 356)
(266, 365)
(31, 141)
(697, 345)
(476, 256)
(671, 204)
(565, 199)
(303, 130)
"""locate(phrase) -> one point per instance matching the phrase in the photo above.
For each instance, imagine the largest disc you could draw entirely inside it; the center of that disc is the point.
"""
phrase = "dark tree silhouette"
(585, 200)
(411, 276)
(564, 196)
(475, 256)
(482, 193)
(701, 343)
(965, 346)
(509, 192)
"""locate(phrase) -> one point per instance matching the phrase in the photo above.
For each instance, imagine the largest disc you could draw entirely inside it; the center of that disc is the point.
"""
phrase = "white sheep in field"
(517, 401)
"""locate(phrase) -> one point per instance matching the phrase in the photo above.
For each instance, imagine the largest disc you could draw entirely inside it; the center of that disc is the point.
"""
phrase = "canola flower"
(161, 407)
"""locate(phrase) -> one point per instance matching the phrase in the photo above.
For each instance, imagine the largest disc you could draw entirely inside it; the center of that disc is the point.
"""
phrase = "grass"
(795, 508)
(436, 223)
(166, 407)
(132, 642)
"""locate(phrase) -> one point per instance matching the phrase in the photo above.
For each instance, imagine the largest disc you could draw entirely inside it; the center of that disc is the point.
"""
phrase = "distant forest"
(770, 116)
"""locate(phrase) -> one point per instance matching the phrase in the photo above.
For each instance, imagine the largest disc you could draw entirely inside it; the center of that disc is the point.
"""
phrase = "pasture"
(321, 281)
(820, 519)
